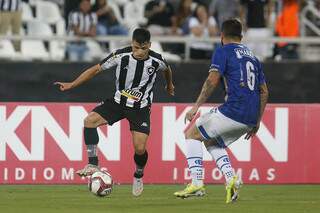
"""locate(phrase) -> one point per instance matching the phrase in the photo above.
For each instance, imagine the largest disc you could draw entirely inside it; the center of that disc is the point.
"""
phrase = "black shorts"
(112, 112)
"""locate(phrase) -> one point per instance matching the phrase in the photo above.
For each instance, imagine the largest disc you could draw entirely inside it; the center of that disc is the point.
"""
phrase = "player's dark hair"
(232, 28)
(141, 35)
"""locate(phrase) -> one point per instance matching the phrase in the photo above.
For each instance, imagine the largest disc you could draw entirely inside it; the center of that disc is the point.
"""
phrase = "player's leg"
(223, 131)
(4, 22)
(221, 157)
(139, 120)
(106, 113)
(223, 163)
(91, 139)
(15, 26)
(140, 159)
(194, 155)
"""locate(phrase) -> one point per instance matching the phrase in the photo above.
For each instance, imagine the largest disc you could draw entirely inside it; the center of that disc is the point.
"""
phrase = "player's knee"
(140, 150)
(192, 133)
(90, 122)
(188, 135)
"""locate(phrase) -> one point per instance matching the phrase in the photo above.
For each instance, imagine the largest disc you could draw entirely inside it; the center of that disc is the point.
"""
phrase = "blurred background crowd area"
(59, 30)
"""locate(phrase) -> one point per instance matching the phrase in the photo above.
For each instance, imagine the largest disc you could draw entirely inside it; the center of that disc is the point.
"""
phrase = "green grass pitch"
(158, 199)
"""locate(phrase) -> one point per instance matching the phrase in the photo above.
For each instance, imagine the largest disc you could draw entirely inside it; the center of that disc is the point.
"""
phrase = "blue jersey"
(242, 76)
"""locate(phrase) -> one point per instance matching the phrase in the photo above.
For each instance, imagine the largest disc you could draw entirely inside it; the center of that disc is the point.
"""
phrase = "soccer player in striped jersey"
(136, 69)
(247, 95)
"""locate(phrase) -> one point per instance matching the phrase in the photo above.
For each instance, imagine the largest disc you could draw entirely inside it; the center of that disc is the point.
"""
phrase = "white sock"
(221, 157)
(194, 157)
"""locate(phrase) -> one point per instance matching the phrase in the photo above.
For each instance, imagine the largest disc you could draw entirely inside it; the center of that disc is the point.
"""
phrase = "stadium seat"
(38, 28)
(22, 31)
(48, 11)
(33, 49)
(56, 48)
(6, 49)
(61, 27)
(33, 2)
(27, 14)
(95, 51)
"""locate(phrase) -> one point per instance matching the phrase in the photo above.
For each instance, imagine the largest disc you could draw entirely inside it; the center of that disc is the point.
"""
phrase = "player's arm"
(264, 95)
(85, 76)
(167, 73)
(208, 88)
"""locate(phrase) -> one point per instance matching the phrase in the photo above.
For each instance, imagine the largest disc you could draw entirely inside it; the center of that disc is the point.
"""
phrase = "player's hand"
(170, 89)
(190, 114)
(63, 86)
(252, 132)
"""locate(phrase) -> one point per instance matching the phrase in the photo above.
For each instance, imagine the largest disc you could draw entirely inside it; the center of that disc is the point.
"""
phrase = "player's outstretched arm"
(168, 76)
(264, 95)
(85, 76)
(207, 89)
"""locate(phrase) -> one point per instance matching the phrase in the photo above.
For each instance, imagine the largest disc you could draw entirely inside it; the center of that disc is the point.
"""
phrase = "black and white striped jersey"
(82, 20)
(134, 78)
(10, 5)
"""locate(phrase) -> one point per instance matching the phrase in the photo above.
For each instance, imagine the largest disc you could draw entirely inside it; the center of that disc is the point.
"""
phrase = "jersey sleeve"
(110, 61)
(218, 61)
(261, 77)
(163, 65)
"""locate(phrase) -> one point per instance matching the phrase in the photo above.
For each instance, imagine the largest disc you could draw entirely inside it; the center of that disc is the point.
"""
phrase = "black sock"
(91, 138)
(94, 160)
(141, 161)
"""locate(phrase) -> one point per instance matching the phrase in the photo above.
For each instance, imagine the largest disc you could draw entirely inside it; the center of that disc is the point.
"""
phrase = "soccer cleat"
(232, 189)
(191, 190)
(88, 170)
(137, 186)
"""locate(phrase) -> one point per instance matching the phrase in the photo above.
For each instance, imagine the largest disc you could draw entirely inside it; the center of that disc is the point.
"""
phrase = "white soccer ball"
(100, 183)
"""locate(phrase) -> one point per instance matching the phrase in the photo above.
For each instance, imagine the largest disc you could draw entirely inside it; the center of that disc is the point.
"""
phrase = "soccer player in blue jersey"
(235, 66)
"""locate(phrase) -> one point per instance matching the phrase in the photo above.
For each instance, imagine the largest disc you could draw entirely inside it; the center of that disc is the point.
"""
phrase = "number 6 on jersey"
(250, 75)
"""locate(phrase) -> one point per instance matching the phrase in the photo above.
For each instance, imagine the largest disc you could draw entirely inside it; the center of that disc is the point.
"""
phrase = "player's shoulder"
(156, 55)
(127, 49)
(220, 51)
(117, 53)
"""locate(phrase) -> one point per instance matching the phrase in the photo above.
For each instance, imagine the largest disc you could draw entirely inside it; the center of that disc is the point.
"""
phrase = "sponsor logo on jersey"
(132, 94)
